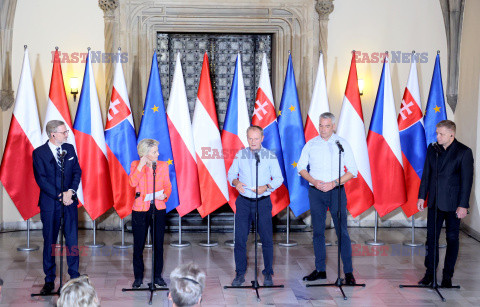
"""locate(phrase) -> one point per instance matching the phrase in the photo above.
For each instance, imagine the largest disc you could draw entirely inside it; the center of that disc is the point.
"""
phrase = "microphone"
(62, 154)
(438, 148)
(257, 157)
(154, 165)
(340, 147)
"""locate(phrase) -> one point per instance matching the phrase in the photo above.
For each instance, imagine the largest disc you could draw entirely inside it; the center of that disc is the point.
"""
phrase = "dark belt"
(254, 199)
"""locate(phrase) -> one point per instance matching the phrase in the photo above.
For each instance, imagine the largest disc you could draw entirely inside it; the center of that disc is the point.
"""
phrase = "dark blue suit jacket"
(47, 175)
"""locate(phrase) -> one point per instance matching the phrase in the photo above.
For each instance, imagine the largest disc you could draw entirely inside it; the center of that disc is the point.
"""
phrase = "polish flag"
(318, 103)
(412, 139)
(208, 147)
(91, 148)
(183, 148)
(265, 117)
(384, 149)
(234, 133)
(352, 128)
(57, 109)
(23, 137)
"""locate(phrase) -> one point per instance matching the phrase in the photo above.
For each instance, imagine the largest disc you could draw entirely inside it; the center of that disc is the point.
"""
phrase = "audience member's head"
(1, 284)
(78, 292)
(186, 285)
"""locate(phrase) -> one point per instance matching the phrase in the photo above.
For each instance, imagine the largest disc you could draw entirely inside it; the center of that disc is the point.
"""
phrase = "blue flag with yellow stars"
(435, 110)
(154, 126)
(290, 126)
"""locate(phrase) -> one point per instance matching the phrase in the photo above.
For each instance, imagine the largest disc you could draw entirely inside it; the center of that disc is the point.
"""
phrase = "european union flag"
(435, 110)
(292, 138)
(154, 126)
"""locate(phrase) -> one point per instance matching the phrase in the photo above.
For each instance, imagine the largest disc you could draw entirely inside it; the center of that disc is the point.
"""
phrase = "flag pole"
(208, 243)
(231, 243)
(123, 244)
(94, 244)
(180, 243)
(413, 243)
(288, 243)
(28, 247)
(375, 242)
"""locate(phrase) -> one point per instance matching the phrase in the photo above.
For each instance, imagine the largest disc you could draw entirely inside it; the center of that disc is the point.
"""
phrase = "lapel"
(450, 153)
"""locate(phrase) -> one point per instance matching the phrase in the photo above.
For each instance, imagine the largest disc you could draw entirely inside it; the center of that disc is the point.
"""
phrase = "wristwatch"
(336, 183)
(269, 186)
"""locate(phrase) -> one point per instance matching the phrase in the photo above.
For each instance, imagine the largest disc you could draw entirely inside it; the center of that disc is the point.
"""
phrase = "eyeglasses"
(63, 132)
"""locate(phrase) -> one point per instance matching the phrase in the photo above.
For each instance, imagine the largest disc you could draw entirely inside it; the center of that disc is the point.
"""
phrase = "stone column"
(109, 7)
(324, 8)
(7, 14)
(453, 17)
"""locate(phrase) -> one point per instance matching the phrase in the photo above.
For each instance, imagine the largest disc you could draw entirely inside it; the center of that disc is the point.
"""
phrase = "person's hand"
(461, 212)
(142, 163)
(261, 189)
(239, 186)
(318, 184)
(67, 197)
(420, 205)
(327, 186)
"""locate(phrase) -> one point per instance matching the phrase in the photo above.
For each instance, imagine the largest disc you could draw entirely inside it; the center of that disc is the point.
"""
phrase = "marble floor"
(381, 268)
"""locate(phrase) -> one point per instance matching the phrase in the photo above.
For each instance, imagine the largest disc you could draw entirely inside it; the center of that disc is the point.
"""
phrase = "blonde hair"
(144, 146)
(78, 292)
(186, 285)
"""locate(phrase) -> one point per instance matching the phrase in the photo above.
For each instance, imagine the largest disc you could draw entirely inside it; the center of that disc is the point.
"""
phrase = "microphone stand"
(255, 284)
(339, 283)
(151, 286)
(434, 285)
(61, 159)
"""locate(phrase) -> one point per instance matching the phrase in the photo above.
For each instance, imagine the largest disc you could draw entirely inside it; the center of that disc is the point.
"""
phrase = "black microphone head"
(154, 164)
(257, 157)
(64, 152)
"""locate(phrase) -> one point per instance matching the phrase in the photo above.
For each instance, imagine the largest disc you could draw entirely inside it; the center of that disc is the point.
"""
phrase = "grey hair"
(327, 115)
(78, 292)
(144, 146)
(186, 284)
(258, 128)
(52, 126)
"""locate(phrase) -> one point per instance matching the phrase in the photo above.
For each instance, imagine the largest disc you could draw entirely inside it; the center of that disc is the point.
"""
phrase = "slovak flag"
(265, 117)
(318, 103)
(384, 149)
(234, 133)
(412, 139)
(121, 144)
(57, 109)
(351, 127)
(91, 148)
(23, 137)
(208, 147)
(183, 148)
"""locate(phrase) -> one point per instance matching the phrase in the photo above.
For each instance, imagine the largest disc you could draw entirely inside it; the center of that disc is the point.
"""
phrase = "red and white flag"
(318, 103)
(23, 137)
(352, 128)
(91, 148)
(57, 109)
(208, 147)
(183, 148)
(384, 149)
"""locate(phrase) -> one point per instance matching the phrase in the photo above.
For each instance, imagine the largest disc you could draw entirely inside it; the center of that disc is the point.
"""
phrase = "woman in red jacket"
(141, 178)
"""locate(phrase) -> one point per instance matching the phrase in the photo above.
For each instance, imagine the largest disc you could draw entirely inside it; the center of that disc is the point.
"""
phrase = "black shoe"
(426, 281)
(47, 288)
(137, 283)
(349, 279)
(446, 282)
(268, 282)
(239, 280)
(160, 282)
(315, 275)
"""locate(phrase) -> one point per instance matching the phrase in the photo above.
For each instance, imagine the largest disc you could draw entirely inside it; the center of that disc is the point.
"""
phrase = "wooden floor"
(383, 270)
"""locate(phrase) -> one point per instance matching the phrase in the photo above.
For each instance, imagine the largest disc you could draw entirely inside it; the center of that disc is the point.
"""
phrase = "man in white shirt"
(321, 155)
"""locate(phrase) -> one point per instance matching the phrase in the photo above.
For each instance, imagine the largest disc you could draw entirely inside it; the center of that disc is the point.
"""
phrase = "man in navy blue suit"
(46, 167)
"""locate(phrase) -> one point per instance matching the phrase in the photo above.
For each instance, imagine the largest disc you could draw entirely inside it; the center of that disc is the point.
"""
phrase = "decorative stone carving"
(7, 13)
(453, 17)
(324, 9)
(109, 8)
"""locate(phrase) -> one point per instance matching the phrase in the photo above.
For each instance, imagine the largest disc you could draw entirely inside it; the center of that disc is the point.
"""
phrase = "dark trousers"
(51, 227)
(452, 224)
(319, 203)
(244, 217)
(141, 220)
